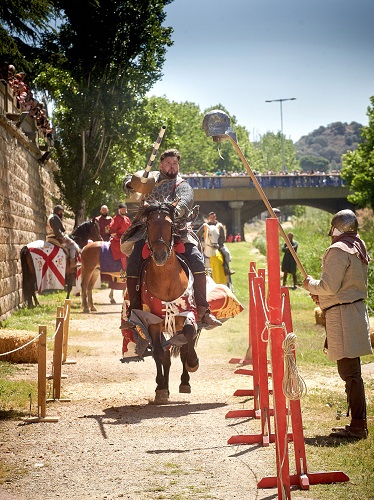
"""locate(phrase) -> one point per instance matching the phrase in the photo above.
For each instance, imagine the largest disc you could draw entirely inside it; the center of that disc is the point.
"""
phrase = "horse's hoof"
(185, 389)
(93, 308)
(162, 396)
(113, 301)
(86, 310)
(194, 367)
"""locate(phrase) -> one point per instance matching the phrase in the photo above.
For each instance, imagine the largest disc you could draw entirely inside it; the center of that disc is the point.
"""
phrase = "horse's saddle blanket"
(107, 264)
(49, 264)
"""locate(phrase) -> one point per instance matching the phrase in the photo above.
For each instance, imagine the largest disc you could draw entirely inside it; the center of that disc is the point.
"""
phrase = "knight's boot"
(356, 430)
(134, 294)
(203, 312)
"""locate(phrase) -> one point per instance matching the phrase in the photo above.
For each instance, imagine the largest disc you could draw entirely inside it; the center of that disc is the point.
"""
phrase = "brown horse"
(86, 231)
(167, 292)
(91, 263)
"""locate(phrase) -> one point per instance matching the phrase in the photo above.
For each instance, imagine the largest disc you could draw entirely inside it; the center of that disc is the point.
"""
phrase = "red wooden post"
(265, 412)
(276, 337)
(296, 418)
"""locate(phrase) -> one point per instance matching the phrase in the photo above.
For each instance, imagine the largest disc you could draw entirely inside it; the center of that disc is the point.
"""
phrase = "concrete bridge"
(236, 200)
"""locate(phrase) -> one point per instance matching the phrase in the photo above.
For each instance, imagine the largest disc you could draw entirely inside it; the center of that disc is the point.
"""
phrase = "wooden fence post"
(42, 376)
(67, 308)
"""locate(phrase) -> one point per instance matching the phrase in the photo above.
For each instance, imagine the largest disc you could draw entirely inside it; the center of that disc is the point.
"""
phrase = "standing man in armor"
(341, 292)
(56, 234)
(212, 221)
(104, 221)
(159, 186)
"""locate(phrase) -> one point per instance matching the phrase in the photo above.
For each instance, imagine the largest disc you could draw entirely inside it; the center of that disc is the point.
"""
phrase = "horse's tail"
(28, 277)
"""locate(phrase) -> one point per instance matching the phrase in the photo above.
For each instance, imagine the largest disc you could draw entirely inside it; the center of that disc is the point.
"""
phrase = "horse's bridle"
(161, 240)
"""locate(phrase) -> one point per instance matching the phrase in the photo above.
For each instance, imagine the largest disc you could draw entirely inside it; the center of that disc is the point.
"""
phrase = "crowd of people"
(230, 173)
(25, 99)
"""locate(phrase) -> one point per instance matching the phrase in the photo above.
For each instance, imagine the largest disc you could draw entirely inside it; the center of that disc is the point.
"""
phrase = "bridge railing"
(265, 181)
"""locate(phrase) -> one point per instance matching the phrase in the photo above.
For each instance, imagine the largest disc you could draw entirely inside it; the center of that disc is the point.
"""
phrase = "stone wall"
(27, 196)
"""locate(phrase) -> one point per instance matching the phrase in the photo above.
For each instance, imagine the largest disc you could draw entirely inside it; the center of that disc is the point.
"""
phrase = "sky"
(240, 53)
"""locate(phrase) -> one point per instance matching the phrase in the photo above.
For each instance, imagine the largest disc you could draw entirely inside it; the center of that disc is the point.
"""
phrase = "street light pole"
(281, 110)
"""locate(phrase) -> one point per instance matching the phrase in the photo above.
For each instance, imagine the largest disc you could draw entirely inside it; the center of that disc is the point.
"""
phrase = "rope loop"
(293, 384)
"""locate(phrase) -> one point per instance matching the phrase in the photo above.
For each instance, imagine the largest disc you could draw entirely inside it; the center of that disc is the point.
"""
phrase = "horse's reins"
(160, 240)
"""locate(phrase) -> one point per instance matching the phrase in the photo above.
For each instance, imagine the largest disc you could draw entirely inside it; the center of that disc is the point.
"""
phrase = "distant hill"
(323, 148)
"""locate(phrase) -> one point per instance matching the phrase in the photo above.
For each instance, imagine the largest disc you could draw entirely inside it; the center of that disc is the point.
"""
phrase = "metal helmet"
(345, 221)
(216, 124)
(58, 209)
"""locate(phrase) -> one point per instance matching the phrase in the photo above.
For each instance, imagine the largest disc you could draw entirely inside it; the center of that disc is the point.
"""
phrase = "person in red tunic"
(118, 226)
(104, 221)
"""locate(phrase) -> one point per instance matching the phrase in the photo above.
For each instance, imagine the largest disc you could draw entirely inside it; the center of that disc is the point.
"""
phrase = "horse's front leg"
(192, 361)
(84, 294)
(162, 390)
(166, 364)
(91, 284)
(184, 386)
(111, 296)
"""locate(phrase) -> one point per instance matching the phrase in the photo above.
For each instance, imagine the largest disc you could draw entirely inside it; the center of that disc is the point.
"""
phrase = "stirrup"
(210, 320)
(127, 325)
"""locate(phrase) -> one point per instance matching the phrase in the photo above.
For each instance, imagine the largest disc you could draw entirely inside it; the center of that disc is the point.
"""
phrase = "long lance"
(156, 147)
(140, 182)
(216, 124)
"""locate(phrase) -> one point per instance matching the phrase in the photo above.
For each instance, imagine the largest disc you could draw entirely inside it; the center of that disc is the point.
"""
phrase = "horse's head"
(159, 220)
(86, 231)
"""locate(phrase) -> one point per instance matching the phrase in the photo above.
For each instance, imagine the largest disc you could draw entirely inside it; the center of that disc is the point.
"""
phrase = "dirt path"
(111, 442)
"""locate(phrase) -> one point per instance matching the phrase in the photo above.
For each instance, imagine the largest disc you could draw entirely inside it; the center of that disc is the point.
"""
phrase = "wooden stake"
(67, 308)
(42, 385)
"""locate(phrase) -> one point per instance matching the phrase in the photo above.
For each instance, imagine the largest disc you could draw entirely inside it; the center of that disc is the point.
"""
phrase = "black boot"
(203, 313)
(356, 430)
(134, 298)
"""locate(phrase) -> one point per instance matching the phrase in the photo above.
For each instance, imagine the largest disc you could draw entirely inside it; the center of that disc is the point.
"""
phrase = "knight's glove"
(181, 210)
(141, 184)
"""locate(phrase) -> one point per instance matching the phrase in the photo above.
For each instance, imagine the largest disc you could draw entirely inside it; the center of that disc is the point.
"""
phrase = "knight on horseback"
(56, 234)
(166, 184)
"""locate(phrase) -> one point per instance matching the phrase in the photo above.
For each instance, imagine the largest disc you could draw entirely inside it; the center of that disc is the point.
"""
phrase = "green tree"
(315, 163)
(184, 131)
(270, 150)
(22, 23)
(97, 66)
(358, 166)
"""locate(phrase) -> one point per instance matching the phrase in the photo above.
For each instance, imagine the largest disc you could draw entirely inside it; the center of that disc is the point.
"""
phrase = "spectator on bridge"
(104, 221)
(340, 292)
(288, 262)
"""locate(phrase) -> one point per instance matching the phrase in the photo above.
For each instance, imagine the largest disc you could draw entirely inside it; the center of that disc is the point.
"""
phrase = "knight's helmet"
(216, 124)
(345, 221)
(58, 208)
